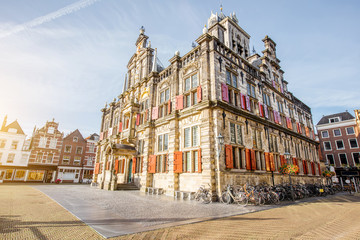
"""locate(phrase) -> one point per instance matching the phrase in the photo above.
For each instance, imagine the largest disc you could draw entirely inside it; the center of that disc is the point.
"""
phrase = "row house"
(164, 128)
(14, 152)
(339, 143)
(46, 144)
(77, 158)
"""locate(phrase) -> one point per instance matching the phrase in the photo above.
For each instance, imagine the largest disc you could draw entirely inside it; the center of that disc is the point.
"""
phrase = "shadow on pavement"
(9, 224)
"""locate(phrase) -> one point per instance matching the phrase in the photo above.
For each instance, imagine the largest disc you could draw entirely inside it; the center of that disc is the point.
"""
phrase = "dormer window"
(333, 120)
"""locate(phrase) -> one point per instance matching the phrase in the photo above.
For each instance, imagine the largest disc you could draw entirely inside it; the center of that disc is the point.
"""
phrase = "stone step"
(127, 186)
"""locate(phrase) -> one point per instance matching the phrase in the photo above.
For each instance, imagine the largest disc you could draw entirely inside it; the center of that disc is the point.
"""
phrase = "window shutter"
(199, 96)
(123, 166)
(97, 166)
(274, 84)
(319, 169)
(305, 167)
(133, 165)
(178, 162)
(101, 136)
(267, 161)
(272, 162)
(225, 92)
(307, 131)
(152, 164)
(261, 109)
(295, 161)
(313, 168)
(146, 115)
(199, 160)
(279, 117)
(266, 111)
(179, 102)
(229, 157)
(108, 165)
(282, 160)
(169, 107)
(248, 159)
(155, 113)
(243, 102)
(137, 119)
(120, 127)
(248, 106)
(253, 160)
(116, 166)
(275, 117)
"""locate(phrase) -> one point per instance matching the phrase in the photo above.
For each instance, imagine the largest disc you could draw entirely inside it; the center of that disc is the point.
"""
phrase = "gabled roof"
(93, 136)
(343, 117)
(14, 125)
(75, 133)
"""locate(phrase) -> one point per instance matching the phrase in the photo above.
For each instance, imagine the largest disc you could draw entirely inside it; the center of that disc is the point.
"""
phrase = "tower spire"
(125, 82)
(154, 66)
(4, 123)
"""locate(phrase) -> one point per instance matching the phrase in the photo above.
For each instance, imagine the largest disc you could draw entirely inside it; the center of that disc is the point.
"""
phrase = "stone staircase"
(127, 186)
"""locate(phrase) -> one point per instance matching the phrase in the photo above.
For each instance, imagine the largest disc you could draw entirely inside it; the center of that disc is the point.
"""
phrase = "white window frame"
(345, 157)
(352, 155)
(339, 131)
(62, 160)
(53, 143)
(162, 142)
(326, 131)
(350, 133)
(191, 137)
(328, 159)
(77, 160)
(51, 130)
(337, 145)
(75, 139)
(78, 147)
(334, 119)
(356, 143)
(325, 146)
(65, 148)
(42, 142)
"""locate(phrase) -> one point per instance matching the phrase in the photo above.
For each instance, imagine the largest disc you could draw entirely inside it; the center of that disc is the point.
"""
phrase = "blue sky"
(66, 59)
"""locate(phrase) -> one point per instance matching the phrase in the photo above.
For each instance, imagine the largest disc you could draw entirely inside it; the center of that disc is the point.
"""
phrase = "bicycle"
(233, 195)
(204, 194)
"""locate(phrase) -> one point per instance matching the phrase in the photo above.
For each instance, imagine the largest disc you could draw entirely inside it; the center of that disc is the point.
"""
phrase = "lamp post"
(288, 157)
(220, 141)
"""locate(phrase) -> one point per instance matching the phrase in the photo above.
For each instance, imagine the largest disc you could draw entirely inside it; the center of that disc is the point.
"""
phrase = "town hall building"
(216, 115)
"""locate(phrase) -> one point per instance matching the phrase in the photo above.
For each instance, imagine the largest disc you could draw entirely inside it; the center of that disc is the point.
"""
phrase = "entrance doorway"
(130, 171)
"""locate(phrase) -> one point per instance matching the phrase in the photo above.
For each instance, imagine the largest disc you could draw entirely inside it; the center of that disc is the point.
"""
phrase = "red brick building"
(339, 140)
(72, 158)
(90, 155)
(45, 146)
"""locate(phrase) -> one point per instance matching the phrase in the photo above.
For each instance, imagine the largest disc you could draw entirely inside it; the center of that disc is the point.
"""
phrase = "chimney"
(4, 123)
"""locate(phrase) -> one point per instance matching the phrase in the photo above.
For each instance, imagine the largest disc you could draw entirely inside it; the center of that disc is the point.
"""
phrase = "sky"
(66, 59)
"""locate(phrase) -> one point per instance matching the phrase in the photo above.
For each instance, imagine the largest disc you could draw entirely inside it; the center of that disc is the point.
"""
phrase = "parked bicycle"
(204, 194)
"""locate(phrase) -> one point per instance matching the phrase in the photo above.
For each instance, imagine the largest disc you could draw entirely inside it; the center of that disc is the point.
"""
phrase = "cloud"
(49, 17)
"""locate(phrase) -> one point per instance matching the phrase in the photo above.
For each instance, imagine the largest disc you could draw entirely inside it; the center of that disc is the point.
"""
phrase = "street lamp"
(288, 157)
(220, 140)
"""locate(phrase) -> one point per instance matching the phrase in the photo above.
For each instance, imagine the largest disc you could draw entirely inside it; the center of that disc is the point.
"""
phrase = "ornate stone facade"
(162, 131)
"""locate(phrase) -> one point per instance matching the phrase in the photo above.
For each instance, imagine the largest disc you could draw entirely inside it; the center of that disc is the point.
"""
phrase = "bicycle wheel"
(207, 197)
(274, 198)
(226, 198)
(241, 199)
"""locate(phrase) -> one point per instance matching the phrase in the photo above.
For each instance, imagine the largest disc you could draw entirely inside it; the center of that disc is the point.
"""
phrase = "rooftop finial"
(221, 7)
(253, 50)
(142, 30)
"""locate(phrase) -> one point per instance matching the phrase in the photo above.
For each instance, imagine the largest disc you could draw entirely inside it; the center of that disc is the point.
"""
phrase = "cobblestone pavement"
(27, 213)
